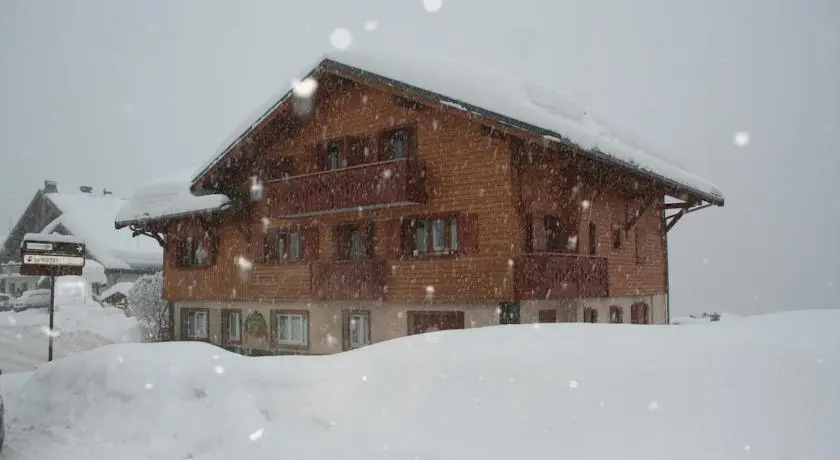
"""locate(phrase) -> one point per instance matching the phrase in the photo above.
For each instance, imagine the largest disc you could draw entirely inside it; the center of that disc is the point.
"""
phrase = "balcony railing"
(372, 185)
(349, 280)
(547, 276)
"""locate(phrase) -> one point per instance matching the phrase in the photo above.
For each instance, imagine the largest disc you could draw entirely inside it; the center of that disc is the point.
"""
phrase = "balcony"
(349, 280)
(366, 186)
(548, 276)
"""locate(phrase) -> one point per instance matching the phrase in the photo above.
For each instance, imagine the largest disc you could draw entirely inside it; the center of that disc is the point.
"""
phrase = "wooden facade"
(532, 221)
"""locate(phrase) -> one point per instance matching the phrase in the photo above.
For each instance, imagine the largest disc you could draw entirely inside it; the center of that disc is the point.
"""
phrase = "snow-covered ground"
(77, 328)
(762, 387)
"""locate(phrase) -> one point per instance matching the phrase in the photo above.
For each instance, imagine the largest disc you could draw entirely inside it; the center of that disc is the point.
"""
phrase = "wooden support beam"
(674, 219)
(698, 208)
(639, 213)
(683, 205)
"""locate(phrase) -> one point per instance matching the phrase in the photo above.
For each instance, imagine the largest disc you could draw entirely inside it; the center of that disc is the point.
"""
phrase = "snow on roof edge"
(712, 194)
(52, 238)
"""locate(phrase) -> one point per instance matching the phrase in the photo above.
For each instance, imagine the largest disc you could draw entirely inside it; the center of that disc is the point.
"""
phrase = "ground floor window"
(291, 328)
(590, 315)
(356, 329)
(196, 324)
(430, 321)
(232, 326)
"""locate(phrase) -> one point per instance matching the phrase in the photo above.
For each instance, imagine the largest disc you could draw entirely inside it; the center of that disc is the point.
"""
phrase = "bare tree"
(146, 303)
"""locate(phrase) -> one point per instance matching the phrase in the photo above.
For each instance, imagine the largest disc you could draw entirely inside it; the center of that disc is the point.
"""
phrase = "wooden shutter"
(408, 232)
(319, 152)
(211, 246)
(392, 240)
(256, 244)
(540, 237)
(366, 230)
(411, 147)
(309, 242)
(269, 252)
(225, 328)
(355, 150)
(372, 149)
(345, 332)
(468, 234)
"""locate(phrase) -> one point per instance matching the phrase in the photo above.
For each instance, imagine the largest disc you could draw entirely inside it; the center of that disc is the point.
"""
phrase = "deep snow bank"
(108, 322)
(763, 387)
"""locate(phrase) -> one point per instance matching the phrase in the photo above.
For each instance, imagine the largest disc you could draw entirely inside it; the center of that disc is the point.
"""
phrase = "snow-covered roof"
(119, 288)
(167, 197)
(52, 238)
(503, 97)
(91, 217)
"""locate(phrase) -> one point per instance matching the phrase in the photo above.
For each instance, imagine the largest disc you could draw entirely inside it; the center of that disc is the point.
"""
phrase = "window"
(357, 329)
(590, 315)
(639, 313)
(560, 235)
(593, 239)
(196, 324)
(291, 328)
(616, 314)
(232, 326)
(396, 144)
(282, 246)
(432, 235)
(355, 241)
(333, 155)
(195, 252)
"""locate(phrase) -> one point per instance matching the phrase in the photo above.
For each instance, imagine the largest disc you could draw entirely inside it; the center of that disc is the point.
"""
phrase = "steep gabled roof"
(504, 98)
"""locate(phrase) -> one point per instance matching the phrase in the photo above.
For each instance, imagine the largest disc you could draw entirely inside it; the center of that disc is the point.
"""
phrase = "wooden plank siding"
(465, 172)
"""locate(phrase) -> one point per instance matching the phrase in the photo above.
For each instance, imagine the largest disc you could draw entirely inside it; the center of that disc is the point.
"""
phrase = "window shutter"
(319, 151)
(411, 133)
(468, 233)
(256, 245)
(270, 246)
(309, 241)
(367, 239)
(355, 150)
(211, 246)
(183, 328)
(392, 238)
(373, 149)
(225, 328)
(540, 236)
(345, 330)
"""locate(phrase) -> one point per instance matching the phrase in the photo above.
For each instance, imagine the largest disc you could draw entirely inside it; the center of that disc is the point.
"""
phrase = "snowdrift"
(762, 387)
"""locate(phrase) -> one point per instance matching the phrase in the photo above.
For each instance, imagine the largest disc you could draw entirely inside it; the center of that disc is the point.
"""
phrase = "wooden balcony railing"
(349, 280)
(547, 276)
(385, 183)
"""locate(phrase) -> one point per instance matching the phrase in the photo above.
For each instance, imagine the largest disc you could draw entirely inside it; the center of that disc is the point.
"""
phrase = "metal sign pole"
(52, 310)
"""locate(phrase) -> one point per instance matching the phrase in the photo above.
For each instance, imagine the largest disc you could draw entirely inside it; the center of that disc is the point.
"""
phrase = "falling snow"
(341, 38)
(371, 25)
(432, 6)
(304, 88)
(741, 139)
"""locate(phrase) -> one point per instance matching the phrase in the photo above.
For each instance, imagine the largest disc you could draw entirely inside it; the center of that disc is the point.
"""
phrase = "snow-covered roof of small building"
(500, 96)
(167, 197)
(90, 216)
(120, 288)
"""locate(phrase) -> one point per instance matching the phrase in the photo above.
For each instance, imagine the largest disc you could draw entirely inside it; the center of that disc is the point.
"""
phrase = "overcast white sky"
(115, 93)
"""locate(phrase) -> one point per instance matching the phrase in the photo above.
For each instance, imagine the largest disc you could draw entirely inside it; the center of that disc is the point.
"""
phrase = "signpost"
(51, 255)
